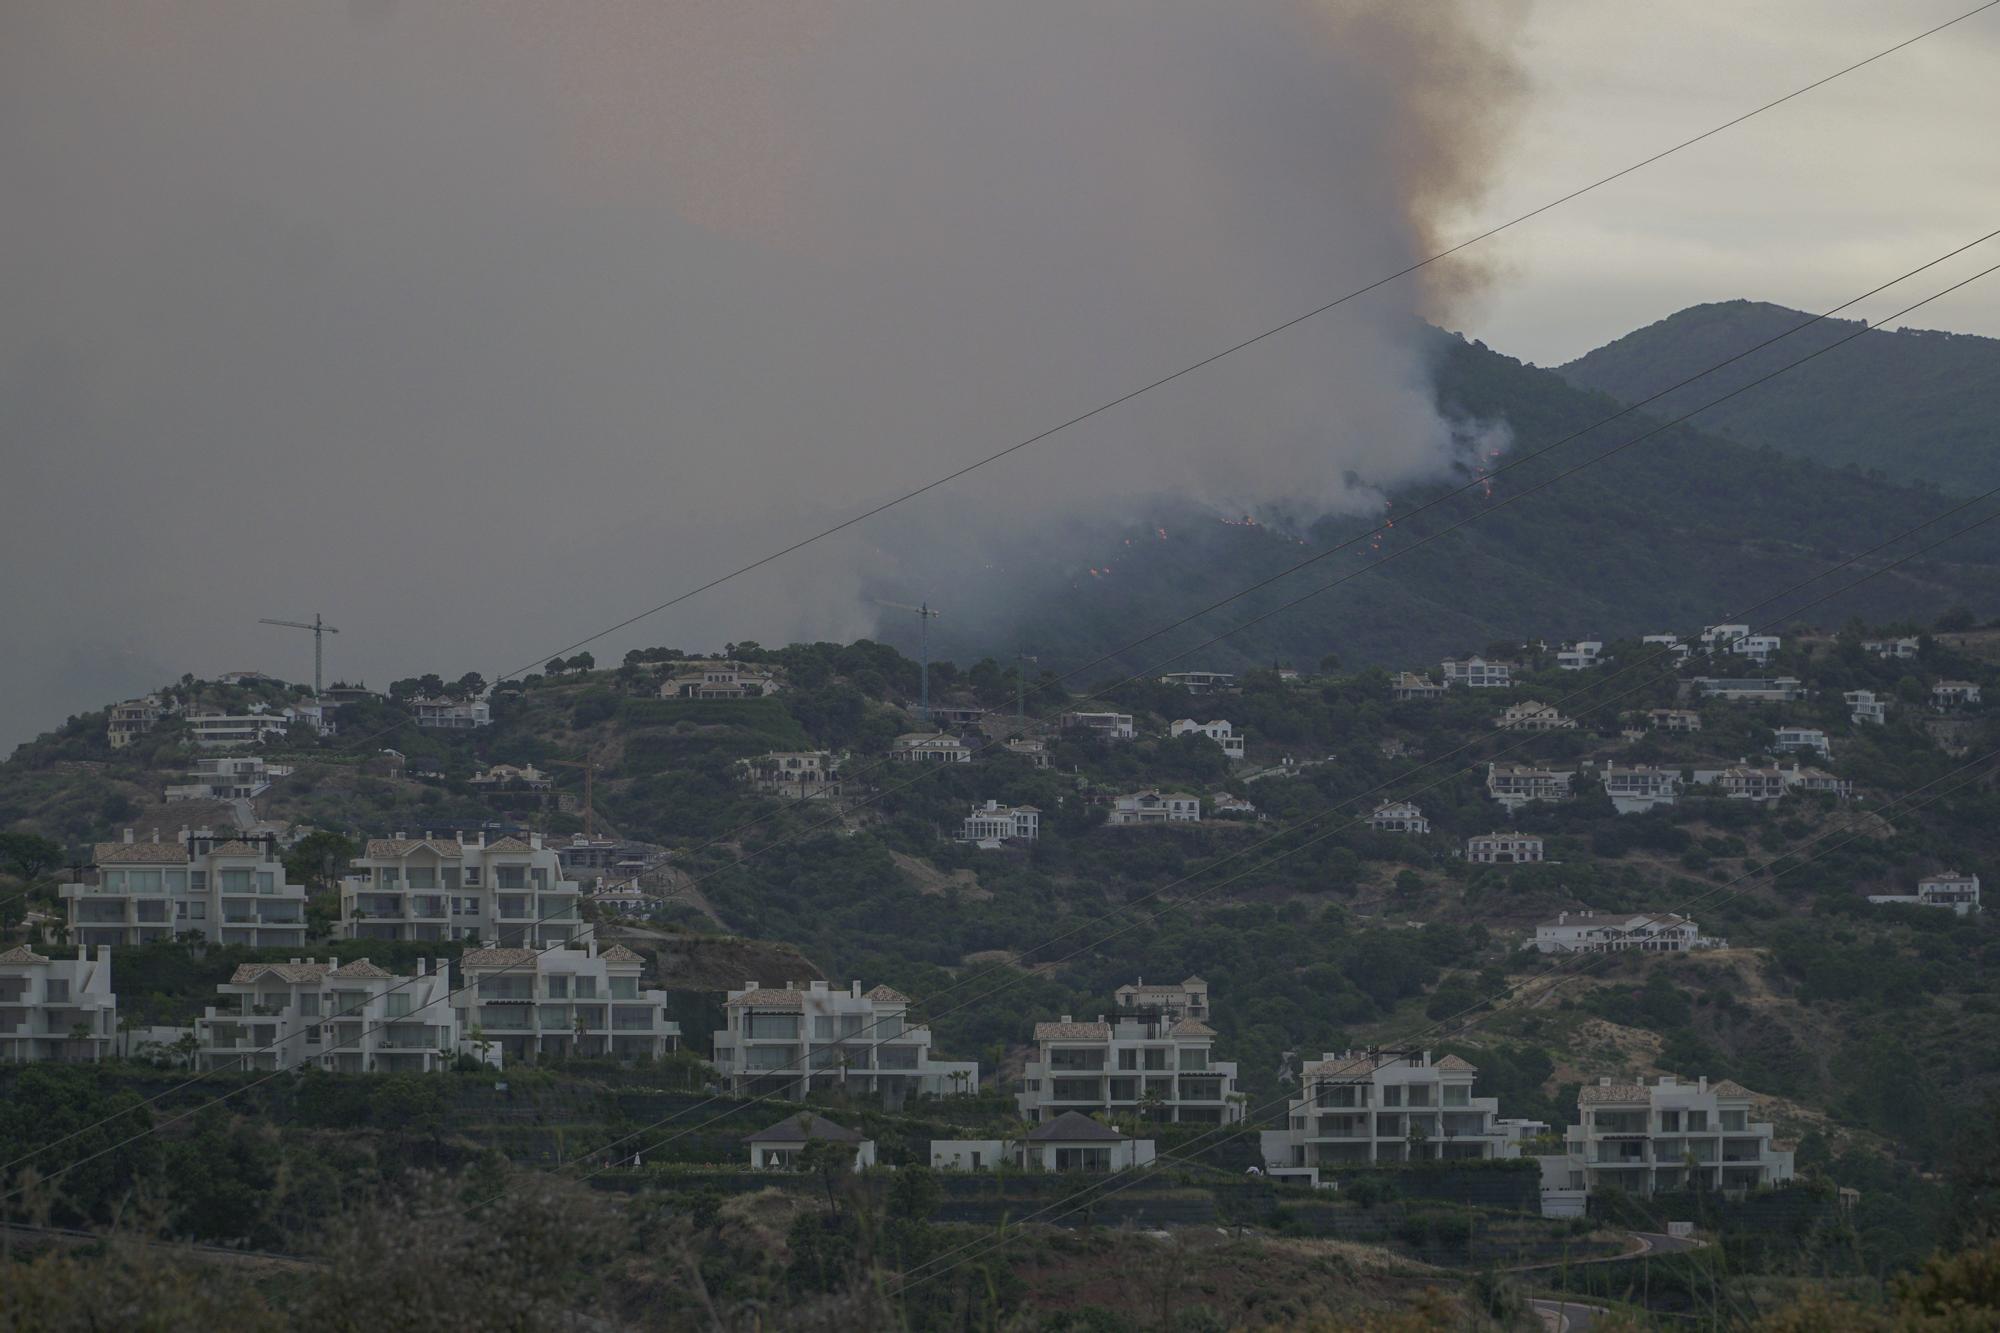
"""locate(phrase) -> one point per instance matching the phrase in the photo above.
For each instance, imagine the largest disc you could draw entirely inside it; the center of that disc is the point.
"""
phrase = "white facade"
(779, 1147)
(1476, 673)
(1534, 717)
(1673, 719)
(234, 778)
(1219, 731)
(1409, 685)
(1515, 785)
(226, 890)
(460, 887)
(1866, 707)
(1953, 890)
(1399, 817)
(508, 775)
(719, 680)
(351, 1018)
(1579, 656)
(1499, 849)
(133, 719)
(212, 729)
(1892, 648)
(56, 1009)
(930, 747)
(1671, 642)
(536, 1004)
(1621, 932)
(1747, 782)
(1200, 682)
(1035, 752)
(1357, 1109)
(789, 1042)
(1154, 1056)
(451, 714)
(1783, 689)
(1637, 788)
(991, 824)
(1818, 780)
(1809, 740)
(801, 775)
(1672, 1136)
(1152, 807)
(1107, 726)
(1949, 694)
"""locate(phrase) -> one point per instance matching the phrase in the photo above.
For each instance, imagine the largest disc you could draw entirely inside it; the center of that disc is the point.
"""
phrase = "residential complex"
(1152, 807)
(1153, 1056)
(212, 729)
(1622, 932)
(1954, 890)
(992, 824)
(1219, 731)
(351, 1018)
(1784, 689)
(536, 1004)
(1671, 1136)
(56, 1008)
(719, 680)
(508, 891)
(225, 890)
(1810, 740)
(788, 1042)
(1359, 1108)
(447, 714)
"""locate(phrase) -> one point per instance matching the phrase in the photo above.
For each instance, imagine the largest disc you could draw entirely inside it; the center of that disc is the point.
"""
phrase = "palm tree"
(189, 1046)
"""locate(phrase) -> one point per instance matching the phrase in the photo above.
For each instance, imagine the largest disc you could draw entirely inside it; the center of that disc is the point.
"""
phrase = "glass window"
(1392, 1095)
(511, 877)
(144, 881)
(309, 1004)
(586, 988)
(558, 988)
(555, 1016)
(472, 877)
(236, 880)
(176, 881)
(267, 882)
(423, 877)
(197, 881)
(823, 1027)
(771, 1025)
(624, 988)
(850, 1025)
(199, 910)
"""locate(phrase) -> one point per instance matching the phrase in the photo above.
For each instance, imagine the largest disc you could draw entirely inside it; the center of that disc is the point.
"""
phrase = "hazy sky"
(479, 327)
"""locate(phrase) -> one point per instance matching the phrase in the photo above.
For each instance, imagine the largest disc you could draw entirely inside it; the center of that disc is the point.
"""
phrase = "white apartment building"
(459, 887)
(1359, 1108)
(1152, 807)
(1515, 785)
(537, 1004)
(801, 775)
(1672, 1136)
(1783, 689)
(1107, 726)
(1219, 731)
(1893, 648)
(1409, 685)
(350, 1018)
(1399, 817)
(1759, 648)
(133, 719)
(1808, 740)
(56, 1008)
(1622, 932)
(1155, 1056)
(787, 1042)
(451, 714)
(1637, 788)
(1579, 656)
(1721, 636)
(719, 680)
(1949, 694)
(992, 824)
(1954, 890)
(212, 729)
(1476, 673)
(1673, 719)
(226, 890)
(1532, 716)
(1200, 682)
(235, 778)
(1503, 849)
(930, 747)
(1866, 707)
(1749, 782)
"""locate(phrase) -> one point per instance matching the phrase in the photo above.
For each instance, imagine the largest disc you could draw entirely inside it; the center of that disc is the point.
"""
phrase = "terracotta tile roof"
(791, 1130)
(21, 954)
(512, 845)
(1150, 989)
(389, 849)
(360, 970)
(618, 953)
(140, 853)
(1454, 1062)
(1348, 1066)
(888, 995)
(1194, 981)
(1072, 1032)
(237, 847)
(1618, 1093)
(1191, 1027)
(491, 960)
(246, 973)
(1729, 1087)
(768, 997)
(1074, 1127)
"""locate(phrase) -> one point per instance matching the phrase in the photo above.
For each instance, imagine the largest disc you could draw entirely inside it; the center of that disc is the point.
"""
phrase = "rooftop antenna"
(924, 616)
(320, 629)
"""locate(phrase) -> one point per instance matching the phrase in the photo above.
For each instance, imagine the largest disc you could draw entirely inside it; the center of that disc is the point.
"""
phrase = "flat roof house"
(1365, 1108)
(60, 1009)
(1201, 682)
(1515, 785)
(1155, 1055)
(1219, 731)
(1866, 707)
(1476, 673)
(1637, 788)
(789, 1042)
(1953, 889)
(509, 891)
(1107, 726)
(1672, 1136)
(992, 824)
(1673, 719)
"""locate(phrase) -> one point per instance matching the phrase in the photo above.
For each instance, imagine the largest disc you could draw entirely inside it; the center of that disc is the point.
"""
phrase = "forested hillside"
(1915, 405)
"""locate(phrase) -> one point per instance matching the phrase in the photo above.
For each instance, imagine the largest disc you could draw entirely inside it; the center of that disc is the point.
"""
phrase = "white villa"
(351, 1018)
(507, 775)
(1747, 782)
(1894, 648)
(1034, 751)
(1152, 807)
(1579, 656)
(460, 887)
(1399, 817)
(777, 1147)
(1200, 682)
(227, 890)
(1530, 716)
(1671, 1136)
(56, 1008)
(1476, 673)
(1953, 890)
(1673, 719)
(1949, 694)
(1867, 707)
(992, 824)
(1818, 780)
(1409, 685)
(1515, 785)
(788, 1042)
(237, 778)
(1154, 1056)
(1637, 788)
(1219, 731)
(802, 775)
(133, 719)
(930, 747)
(1107, 726)
(212, 729)
(719, 680)
(1072, 1142)
(447, 714)
(1622, 932)
(1671, 642)
(532, 1004)
(1782, 689)
(1788, 740)
(1371, 1107)
(1504, 849)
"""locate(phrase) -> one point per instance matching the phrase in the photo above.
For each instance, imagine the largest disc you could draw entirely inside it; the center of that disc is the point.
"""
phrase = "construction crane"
(320, 629)
(924, 616)
(589, 767)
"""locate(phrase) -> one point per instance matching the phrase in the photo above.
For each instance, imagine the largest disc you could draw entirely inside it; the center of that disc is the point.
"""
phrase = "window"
(1457, 1096)
(267, 882)
(1697, 1122)
(176, 881)
(1156, 1059)
(198, 881)
(1392, 1095)
(391, 876)
(472, 877)
(823, 1027)
(624, 988)
(586, 988)
(1194, 1059)
(143, 881)
(309, 1004)
(511, 877)
(423, 877)
(1128, 1059)
(58, 990)
(199, 910)
(558, 988)
(1670, 1122)
(850, 1025)
(555, 1017)
(398, 1004)
(768, 1026)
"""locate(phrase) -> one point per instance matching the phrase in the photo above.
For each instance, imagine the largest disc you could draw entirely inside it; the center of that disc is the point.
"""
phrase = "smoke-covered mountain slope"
(1918, 405)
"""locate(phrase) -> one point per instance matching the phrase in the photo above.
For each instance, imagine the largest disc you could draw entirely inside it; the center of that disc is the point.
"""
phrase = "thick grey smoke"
(478, 327)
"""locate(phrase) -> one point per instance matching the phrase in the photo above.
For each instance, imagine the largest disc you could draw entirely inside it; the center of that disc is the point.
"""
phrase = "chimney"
(401, 836)
(751, 984)
(1065, 1018)
(423, 967)
(854, 989)
(1604, 1080)
(535, 841)
(128, 836)
(1701, 1084)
